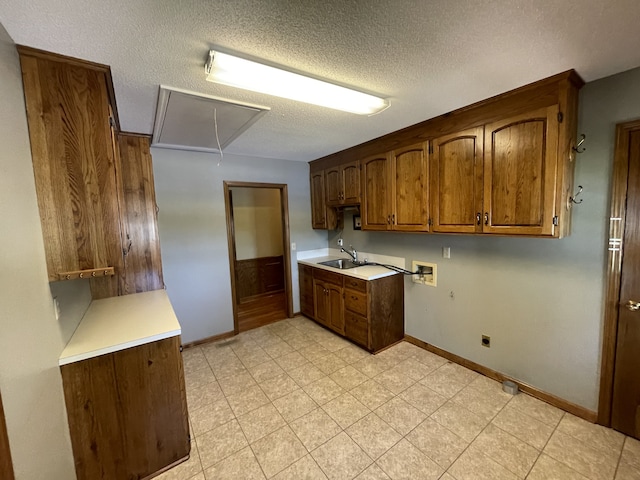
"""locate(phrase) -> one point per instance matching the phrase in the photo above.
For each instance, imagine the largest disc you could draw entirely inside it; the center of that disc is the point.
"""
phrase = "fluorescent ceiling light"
(238, 72)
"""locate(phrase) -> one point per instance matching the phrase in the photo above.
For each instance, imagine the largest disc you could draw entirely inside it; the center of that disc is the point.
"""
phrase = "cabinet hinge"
(560, 117)
(555, 220)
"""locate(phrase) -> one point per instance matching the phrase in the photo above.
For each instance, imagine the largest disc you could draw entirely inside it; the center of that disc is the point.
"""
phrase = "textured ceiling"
(428, 56)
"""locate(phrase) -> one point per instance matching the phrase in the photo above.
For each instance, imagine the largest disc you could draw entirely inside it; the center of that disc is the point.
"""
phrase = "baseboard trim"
(215, 338)
(558, 402)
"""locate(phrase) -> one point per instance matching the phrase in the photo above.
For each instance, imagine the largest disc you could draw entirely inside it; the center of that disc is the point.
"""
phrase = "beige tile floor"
(293, 401)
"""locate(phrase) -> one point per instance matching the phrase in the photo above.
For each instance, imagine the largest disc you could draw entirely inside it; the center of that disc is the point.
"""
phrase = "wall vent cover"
(185, 120)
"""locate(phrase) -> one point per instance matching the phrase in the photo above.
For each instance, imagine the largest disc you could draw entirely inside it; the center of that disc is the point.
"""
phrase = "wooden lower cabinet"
(127, 411)
(369, 313)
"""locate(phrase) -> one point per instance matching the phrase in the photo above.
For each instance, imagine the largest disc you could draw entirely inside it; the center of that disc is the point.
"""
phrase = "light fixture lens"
(238, 72)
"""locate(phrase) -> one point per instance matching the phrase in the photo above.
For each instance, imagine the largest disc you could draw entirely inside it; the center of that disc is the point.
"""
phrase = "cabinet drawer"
(330, 277)
(355, 301)
(355, 284)
(356, 328)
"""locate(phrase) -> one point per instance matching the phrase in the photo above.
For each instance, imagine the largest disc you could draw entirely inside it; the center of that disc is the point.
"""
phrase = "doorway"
(259, 253)
(619, 405)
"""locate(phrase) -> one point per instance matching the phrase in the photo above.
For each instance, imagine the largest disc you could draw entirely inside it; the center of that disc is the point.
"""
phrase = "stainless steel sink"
(342, 264)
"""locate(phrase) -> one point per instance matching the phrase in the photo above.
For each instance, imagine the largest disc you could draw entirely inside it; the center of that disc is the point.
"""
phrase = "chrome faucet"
(353, 254)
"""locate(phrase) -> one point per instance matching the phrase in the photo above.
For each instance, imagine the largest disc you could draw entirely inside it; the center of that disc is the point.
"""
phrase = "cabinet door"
(456, 182)
(321, 308)
(73, 161)
(333, 186)
(318, 206)
(519, 173)
(143, 263)
(351, 183)
(305, 280)
(409, 211)
(376, 214)
(336, 308)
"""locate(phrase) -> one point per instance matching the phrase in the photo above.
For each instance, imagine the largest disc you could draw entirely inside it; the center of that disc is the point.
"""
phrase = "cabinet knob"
(478, 218)
(486, 218)
(389, 219)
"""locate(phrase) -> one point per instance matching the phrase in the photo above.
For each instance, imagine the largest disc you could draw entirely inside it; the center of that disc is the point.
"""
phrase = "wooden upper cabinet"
(409, 199)
(520, 160)
(376, 191)
(456, 182)
(321, 216)
(143, 262)
(342, 184)
(67, 106)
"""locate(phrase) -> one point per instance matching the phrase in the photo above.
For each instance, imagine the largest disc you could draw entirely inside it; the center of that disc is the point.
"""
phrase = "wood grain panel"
(127, 411)
(409, 192)
(376, 191)
(536, 95)
(305, 280)
(257, 276)
(333, 185)
(356, 302)
(318, 203)
(91, 396)
(336, 308)
(6, 466)
(68, 114)
(519, 173)
(152, 406)
(456, 181)
(356, 328)
(143, 261)
(386, 309)
(320, 305)
(351, 183)
(261, 310)
(617, 222)
(625, 407)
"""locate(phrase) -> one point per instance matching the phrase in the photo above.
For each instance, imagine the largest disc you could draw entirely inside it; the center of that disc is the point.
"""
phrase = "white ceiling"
(428, 56)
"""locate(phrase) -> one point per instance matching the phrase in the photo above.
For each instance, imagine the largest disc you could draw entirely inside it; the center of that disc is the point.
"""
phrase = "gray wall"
(31, 339)
(540, 300)
(193, 234)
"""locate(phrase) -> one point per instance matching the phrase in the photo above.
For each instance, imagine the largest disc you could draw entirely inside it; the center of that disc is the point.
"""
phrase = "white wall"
(31, 339)
(540, 300)
(193, 234)
(257, 222)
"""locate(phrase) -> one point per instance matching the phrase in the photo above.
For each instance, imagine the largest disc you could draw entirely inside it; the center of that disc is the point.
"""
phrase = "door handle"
(486, 218)
(478, 218)
(389, 219)
(633, 306)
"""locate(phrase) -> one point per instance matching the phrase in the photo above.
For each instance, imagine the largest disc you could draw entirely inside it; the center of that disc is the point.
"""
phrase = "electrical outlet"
(446, 252)
(293, 246)
(340, 242)
(486, 341)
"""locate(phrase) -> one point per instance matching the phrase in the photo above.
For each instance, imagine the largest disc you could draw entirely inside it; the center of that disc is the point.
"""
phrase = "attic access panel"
(185, 120)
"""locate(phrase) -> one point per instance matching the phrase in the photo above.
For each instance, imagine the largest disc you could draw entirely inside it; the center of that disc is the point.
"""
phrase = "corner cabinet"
(94, 184)
(369, 313)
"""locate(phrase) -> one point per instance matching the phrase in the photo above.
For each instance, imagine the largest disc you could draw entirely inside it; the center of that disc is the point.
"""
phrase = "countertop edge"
(118, 347)
(351, 272)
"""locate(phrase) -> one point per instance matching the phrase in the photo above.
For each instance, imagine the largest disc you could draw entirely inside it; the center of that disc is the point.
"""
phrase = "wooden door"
(143, 262)
(409, 199)
(351, 183)
(318, 205)
(336, 307)
(625, 412)
(456, 182)
(519, 173)
(376, 190)
(333, 185)
(73, 160)
(321, 307)
(6, 466)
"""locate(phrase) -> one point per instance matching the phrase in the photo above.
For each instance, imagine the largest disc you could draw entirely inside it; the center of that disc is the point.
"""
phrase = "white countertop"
(116, 323)
(366, 272)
